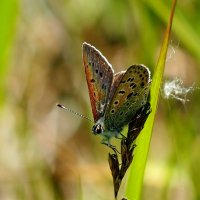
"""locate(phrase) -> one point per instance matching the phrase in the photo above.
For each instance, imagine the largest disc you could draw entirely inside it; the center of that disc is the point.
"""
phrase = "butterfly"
(115, 98)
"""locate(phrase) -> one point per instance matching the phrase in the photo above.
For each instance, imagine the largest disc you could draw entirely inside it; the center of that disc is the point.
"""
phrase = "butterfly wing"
(131, 93)
(116, 80)
(99, 76)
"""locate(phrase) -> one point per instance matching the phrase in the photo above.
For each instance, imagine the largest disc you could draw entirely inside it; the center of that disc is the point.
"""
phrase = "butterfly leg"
(106, 142)
(123, 137)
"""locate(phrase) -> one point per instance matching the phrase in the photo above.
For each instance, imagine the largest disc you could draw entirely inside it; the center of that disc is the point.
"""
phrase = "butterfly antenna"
(72, 111)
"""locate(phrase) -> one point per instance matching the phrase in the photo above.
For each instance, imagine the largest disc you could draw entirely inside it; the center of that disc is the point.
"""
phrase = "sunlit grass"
(183, 28)
(136, 173)
(8, 16)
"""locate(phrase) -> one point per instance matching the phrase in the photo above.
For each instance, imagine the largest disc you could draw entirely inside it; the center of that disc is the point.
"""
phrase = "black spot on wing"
(104, 86)
(112, 111)
(142, 84)
(121, 92)
(133, 85)
(92, 80)
(116, 102)
(129, 95)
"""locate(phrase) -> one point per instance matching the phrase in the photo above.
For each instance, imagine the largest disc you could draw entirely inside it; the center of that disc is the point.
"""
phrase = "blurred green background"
(46, 153)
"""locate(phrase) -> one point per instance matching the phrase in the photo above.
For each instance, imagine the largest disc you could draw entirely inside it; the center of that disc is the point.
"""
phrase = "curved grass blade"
(136, 172)
(183, 28)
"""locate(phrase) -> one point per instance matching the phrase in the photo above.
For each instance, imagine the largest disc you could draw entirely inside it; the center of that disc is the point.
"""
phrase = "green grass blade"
(184, 29)
(8, 13)
(136, 172)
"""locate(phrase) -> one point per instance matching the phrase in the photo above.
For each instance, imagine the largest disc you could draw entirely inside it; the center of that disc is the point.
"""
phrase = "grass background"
(46, 153)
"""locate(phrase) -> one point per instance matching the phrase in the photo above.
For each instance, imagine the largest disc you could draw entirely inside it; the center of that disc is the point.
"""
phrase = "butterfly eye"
(97, 129)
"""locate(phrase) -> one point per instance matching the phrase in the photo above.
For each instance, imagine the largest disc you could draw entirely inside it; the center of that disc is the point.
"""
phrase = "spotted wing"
(131, 93)
(116, 80)
(99, 76)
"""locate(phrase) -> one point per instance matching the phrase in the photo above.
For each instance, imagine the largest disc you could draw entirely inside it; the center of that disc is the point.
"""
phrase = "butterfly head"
(98, 129)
